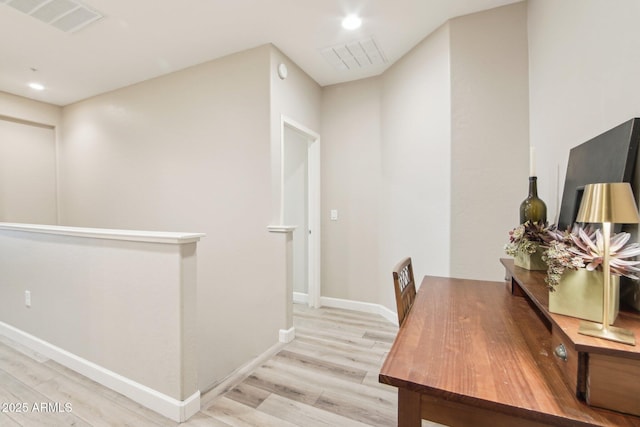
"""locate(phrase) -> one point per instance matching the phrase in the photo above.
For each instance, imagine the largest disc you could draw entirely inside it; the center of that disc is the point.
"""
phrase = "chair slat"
(405, 288)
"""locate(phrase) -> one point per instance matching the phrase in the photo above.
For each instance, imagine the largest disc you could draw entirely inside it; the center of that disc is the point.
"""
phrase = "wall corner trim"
(281, 228)
(287, 335)
(300, 298)
(177, 410)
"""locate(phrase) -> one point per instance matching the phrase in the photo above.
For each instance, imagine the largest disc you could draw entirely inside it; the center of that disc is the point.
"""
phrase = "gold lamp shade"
(609, 202)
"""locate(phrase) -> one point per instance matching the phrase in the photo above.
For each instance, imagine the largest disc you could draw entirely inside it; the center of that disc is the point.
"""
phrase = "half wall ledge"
(118, 306)
(106, 233)
(281, 228)
(288, 332)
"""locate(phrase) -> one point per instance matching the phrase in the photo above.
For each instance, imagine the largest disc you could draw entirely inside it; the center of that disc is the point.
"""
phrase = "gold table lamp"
(606, 204)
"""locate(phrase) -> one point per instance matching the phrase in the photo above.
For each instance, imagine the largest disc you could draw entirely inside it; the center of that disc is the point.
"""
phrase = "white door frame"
(313, 163)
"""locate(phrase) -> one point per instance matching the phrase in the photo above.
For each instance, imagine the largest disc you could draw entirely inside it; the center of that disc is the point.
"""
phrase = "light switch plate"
(334, 214)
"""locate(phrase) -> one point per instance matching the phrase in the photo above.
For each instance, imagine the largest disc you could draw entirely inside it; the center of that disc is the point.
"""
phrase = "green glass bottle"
(532, 208)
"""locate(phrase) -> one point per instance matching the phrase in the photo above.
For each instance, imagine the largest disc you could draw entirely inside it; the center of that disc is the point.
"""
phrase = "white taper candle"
(532, 161)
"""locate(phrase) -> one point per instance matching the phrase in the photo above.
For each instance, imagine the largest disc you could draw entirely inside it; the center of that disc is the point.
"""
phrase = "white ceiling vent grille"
(66, 15)
(354, 55)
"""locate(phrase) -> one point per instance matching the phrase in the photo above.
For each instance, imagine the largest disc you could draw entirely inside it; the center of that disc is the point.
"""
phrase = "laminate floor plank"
(334, 337)
(27, 371)
(355, 323)
(383, 347)
(203, 420)
(9, 343)
(90, 405)
(371, 380)
(304, 415)
(334, 322)
(358, 320)
(5, 421)
(248, 394)
(381, 336)
(359, 407)
(333, 329)
(343, 316)
(320, 366)
(330, 325)
(327, 376)
(108, 397)
(373, 393)
(238, 415)
(278, 382)
(355, 358)
(33, 407)
(367, 347)
(372, 403)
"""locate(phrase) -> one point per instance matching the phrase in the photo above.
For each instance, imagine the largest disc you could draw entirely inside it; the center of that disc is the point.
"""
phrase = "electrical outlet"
(27, 298)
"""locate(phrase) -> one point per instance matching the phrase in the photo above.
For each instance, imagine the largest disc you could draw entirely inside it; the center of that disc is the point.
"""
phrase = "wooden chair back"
(405, 288)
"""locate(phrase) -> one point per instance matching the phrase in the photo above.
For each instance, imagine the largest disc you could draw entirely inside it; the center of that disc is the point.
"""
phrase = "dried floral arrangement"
(583, 248)
(526, 238)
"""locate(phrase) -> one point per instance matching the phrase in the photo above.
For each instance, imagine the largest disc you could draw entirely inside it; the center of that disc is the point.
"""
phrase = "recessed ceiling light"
(36, 86)
(351, 22)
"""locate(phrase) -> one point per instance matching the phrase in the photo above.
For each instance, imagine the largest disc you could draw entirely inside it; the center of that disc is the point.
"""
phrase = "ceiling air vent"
(354, 55)
(66, 15)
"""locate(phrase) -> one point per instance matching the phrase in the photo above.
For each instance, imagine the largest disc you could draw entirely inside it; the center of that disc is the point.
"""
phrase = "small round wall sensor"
(282, 71)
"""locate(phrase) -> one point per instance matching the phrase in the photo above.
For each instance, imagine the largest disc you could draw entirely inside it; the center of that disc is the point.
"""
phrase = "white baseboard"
(365, 307)
(174, 409)
(287, 335)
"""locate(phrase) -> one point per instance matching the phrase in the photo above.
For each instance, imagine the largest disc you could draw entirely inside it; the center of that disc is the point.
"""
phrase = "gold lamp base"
(612, 333)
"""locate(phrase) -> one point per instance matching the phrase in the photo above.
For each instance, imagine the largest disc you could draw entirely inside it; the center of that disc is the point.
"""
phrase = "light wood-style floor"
(328, 376)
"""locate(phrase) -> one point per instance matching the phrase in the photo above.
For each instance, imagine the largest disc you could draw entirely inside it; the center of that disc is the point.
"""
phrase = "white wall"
(416, 161)
(351, 184)
(584, 69)
(118, 307)
(421, 161)
(27, 172)
(20, 108)
(194, 150)
(190, 151)
(29, 131)
(386, 169)
(400, 155)
(297, 98)
(296, 200)
(489, 136)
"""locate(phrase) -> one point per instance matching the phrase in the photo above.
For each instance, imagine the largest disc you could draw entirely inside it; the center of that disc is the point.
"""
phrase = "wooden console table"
(472, 354)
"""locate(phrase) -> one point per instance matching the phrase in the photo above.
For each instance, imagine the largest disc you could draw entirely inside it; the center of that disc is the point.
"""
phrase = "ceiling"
(136, 40)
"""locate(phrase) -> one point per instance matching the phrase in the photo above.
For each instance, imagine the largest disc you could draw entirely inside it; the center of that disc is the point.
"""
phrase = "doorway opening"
(300, 206)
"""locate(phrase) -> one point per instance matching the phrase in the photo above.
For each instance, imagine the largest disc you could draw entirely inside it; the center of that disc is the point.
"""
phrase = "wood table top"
(472, 342)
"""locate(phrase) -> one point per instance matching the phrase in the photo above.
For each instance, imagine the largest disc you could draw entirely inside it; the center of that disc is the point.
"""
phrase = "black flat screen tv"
(609, 157)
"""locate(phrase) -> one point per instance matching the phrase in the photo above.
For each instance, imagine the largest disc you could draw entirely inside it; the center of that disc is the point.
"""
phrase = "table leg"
(408, 408)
